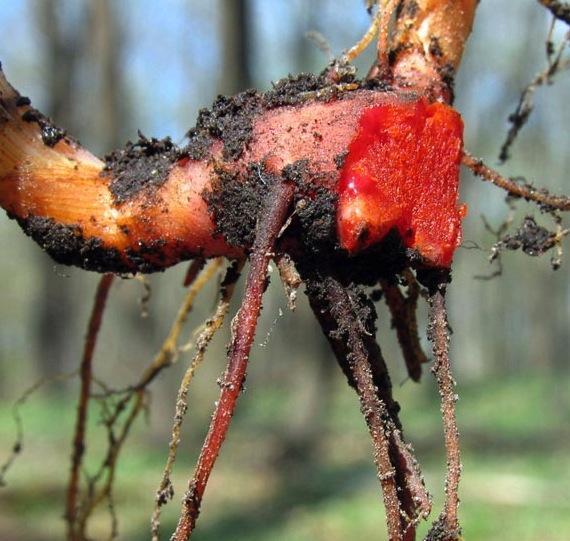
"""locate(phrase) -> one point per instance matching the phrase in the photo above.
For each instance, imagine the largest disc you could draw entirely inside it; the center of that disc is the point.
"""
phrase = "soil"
(235, 203)
(531, 238)
(231, 118)
(50, 133)
(140, 166)
(67, 246)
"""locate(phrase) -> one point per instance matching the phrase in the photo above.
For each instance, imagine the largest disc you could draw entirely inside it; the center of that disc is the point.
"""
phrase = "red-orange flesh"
(402, 172)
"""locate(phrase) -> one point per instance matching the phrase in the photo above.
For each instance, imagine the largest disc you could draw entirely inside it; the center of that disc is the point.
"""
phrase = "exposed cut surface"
(402, 172)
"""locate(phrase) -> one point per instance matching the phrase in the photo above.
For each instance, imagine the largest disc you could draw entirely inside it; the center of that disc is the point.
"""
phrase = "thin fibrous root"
(448, 523)
(273, 216)
(165, 490)
(135, 398)
(18, 444)
(357, 49)
(86, 372)
(513, 188)
(525, 106)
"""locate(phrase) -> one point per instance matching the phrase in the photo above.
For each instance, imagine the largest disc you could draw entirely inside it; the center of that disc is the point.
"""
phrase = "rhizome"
(349, 185)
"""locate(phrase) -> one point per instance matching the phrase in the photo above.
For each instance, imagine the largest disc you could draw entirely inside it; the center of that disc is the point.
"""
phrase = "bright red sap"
(402, 171)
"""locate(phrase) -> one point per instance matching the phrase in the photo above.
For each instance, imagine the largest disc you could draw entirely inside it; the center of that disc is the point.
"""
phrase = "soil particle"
(447, 74)
(290, 90)
(339, 159)
(230, 119)
(435, 48)
(316, 216)
(531, 238)
(23, 101)
(315, 209)
(235, 203)
(441, 532)
(67, 246)
(147, 257)
(140, 166)
(433, 279)
(198, 147)
(50, 134)
(383, 260)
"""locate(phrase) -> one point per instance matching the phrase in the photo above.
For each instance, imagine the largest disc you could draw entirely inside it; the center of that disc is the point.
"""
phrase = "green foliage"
(517, 471)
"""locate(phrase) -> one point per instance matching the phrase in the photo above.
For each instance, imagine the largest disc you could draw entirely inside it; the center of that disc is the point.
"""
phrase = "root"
(272, 218)
(18, 445)
(193, 270)
(448, 522)
(165, 490)
(404, 320)
(347, 319)
(357, 49)
(516, 189)
(82, 407)
(383, 50)
(132, 401)
(560, 10)
(555, 64)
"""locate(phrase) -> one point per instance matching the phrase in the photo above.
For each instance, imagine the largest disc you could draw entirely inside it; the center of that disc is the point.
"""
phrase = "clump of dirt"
(230, 119)
(531, 238)
(67, 245)
(316, 215)
(340, 159)
(235, 203)
(148, 257)
(50, 133)
(140, 166)
(440, 531)
(290, 90)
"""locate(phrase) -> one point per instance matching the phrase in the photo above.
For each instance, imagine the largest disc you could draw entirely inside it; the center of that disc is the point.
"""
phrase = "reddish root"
(273, 216)
(193, 270)
(516, 189)
(448, 523)
(403, 311)
(347, 320)
(81, 420)
(165, 490)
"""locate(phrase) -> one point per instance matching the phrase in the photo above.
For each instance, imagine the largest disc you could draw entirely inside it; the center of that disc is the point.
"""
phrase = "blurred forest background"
(298, 464)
